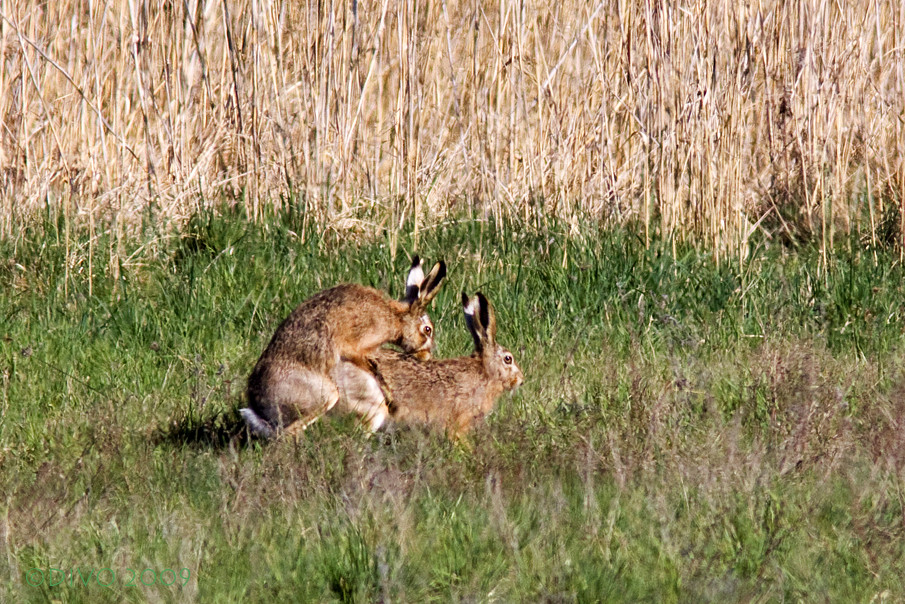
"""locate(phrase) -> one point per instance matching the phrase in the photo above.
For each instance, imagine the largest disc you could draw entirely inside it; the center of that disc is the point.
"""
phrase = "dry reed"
(701, 119)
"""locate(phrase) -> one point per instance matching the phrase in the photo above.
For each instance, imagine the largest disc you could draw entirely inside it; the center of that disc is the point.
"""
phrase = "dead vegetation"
(706, 120)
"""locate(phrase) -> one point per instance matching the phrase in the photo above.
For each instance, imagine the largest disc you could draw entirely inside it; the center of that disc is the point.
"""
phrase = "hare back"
(341, 320)
(451, 392)
(283, 392)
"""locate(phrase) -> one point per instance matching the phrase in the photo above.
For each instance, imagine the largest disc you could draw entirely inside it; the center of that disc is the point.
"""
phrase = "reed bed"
(700, 120)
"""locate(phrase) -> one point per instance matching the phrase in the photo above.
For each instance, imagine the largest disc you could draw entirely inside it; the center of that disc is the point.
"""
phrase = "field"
(690, 218)
(686, 432)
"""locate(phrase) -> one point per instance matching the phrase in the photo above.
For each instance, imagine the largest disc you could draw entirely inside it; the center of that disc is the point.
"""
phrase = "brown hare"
(450, 393)
(293, 382)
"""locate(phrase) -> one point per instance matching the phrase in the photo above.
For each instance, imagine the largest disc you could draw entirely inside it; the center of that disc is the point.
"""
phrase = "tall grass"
(703, 120)
(686, 431)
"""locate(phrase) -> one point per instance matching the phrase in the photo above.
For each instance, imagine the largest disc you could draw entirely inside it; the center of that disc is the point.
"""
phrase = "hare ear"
(414, 281)
(431, 284)
(471, 307)
(487, 317)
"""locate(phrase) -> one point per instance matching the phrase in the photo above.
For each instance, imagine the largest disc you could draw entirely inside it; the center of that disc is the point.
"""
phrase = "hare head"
(417, 329)
(498, 362)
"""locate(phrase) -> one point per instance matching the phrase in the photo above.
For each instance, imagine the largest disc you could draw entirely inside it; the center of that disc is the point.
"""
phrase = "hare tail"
(256, 423)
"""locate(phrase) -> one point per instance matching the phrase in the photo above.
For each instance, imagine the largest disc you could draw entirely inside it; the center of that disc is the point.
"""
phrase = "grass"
(687, 431)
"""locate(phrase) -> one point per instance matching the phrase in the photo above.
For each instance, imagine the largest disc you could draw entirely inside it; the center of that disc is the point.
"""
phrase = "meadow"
(687, 431)
(690, 218)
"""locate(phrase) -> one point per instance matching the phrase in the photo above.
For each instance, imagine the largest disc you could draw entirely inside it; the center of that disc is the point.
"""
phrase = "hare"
(452, 393)
(293, 382)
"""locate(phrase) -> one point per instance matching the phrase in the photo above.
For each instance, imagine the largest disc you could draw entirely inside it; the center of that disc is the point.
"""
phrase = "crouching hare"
(449, 393)
(294, 383)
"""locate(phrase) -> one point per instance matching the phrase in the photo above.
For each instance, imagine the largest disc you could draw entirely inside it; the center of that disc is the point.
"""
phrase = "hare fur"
(450, 393)
(294, 382)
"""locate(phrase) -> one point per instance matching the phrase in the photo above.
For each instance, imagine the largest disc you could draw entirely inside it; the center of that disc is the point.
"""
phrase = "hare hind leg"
(302, 396)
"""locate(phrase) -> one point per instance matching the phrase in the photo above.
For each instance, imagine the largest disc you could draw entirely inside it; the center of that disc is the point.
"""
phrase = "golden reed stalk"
(698, 119)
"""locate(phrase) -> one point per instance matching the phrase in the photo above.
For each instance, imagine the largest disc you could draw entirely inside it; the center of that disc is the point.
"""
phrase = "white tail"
(256, 423)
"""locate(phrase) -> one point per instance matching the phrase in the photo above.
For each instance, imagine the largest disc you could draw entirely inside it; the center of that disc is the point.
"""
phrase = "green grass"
(686, 431)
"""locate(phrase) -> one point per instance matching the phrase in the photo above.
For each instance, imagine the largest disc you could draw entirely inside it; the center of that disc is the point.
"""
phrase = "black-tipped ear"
(469, 307)
(487, 317)
(431, 284)
(414, 281)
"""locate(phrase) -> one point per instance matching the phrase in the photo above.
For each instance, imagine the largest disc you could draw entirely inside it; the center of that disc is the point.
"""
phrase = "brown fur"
(293, 381)
(451, 393)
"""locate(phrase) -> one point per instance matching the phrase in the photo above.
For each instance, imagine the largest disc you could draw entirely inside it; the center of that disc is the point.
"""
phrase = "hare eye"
(508, 359)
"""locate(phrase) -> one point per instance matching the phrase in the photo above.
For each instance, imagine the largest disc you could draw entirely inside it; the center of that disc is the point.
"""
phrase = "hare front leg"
(368, 366)
(361, 394)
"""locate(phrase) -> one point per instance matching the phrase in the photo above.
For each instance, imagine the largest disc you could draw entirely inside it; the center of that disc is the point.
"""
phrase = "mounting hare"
(452, 393)
(293, 382)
